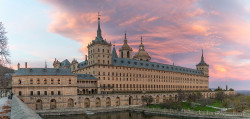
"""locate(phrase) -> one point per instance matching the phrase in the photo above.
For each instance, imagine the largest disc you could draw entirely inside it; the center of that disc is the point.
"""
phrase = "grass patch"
(186, 105)
(217, 104)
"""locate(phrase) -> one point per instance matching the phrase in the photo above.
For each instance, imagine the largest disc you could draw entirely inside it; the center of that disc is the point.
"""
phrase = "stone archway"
(157, 99)
(130, 100)
(164, 98)
(170, 98)
(39, 105)
(117, 101)
(108, 102)
(98, 102)
(86, 103)
(70, 102)
(52, 104)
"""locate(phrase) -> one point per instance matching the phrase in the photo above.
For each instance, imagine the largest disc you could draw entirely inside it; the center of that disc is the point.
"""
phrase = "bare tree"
(147, 99)
(4, 51)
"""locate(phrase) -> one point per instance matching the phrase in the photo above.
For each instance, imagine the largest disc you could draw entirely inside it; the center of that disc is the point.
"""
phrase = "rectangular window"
(52, 81)
(52, 92)
(59, 92)
(45, 92)
(20, 93)
(38, 92)
(31, 93)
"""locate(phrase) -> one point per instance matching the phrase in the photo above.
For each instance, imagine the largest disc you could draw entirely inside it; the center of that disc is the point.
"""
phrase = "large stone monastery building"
(137, 73)
(105, 80)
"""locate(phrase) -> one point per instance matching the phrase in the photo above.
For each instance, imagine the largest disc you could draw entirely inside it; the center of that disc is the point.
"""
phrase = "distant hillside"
(245, 92)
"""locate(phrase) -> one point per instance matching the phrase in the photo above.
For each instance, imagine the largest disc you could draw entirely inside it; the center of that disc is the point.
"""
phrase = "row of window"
(171, 80)
(39, 93)
(44, 81)
(148, 86)
(92, 51)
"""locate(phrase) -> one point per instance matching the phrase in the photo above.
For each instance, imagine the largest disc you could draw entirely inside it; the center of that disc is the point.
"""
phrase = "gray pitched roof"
(65, 63)
(114, 54)
(153, 65)
(83, 64)
(86, 76)
(43, 71)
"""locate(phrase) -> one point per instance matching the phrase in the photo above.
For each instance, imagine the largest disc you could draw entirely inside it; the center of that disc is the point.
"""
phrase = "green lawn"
(217, 104)
(186, 106)
(198, 107)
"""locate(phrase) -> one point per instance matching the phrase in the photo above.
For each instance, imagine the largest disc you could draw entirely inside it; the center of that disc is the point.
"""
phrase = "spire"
(202, 58)
(125, 39)
(114, 54)
(202, 62)
(45, 64)
(141, 47)
(141, 39)
(99, 31)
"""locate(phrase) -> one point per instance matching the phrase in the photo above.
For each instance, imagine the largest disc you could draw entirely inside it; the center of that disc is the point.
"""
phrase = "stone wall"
(20, 111)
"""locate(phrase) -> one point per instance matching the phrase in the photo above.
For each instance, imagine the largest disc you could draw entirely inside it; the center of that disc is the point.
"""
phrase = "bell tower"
(99, 50)
(203, 66)
(125, 51)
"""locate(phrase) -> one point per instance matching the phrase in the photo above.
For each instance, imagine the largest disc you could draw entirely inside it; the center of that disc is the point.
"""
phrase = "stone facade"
(105, 80)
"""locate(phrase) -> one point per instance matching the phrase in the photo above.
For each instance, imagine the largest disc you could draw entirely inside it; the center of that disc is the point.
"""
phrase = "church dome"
(142, 54)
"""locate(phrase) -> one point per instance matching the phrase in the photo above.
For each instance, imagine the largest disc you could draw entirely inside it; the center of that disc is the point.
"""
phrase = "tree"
(231, 89)
(147, 99)
(4, 51)
(218, 89)
(220, 96)
(181, 96)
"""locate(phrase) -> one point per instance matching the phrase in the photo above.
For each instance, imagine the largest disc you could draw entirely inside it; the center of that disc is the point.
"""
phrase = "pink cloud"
(179, 28)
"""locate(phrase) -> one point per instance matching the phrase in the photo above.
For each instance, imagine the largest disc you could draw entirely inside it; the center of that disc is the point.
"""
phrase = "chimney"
(18, 65)
(26, 65)
(86, 57)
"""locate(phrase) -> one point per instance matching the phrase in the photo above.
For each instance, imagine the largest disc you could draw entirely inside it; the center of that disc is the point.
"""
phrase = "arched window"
(128, 56)
(19, 82)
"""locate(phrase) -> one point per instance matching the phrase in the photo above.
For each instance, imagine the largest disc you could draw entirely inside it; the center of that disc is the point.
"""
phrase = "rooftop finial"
(141, 39)
(45, 64)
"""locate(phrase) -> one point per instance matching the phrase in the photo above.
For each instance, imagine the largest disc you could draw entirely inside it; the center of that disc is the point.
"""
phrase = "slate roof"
(86, 76)
(114, 54)
(65, 63)
(153, 65)
(43, 71)
(83, 64)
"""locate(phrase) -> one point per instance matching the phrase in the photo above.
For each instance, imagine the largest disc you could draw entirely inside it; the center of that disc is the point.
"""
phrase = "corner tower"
(125, 51)
(99, 50)
(203, 66)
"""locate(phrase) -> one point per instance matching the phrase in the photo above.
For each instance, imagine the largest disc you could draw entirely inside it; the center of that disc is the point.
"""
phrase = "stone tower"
(203, 66)
(99, 50)
(125, 51)
(56, 64)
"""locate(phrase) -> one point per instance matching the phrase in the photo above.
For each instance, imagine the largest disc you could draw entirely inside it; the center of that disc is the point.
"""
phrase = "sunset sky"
(172, 30)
